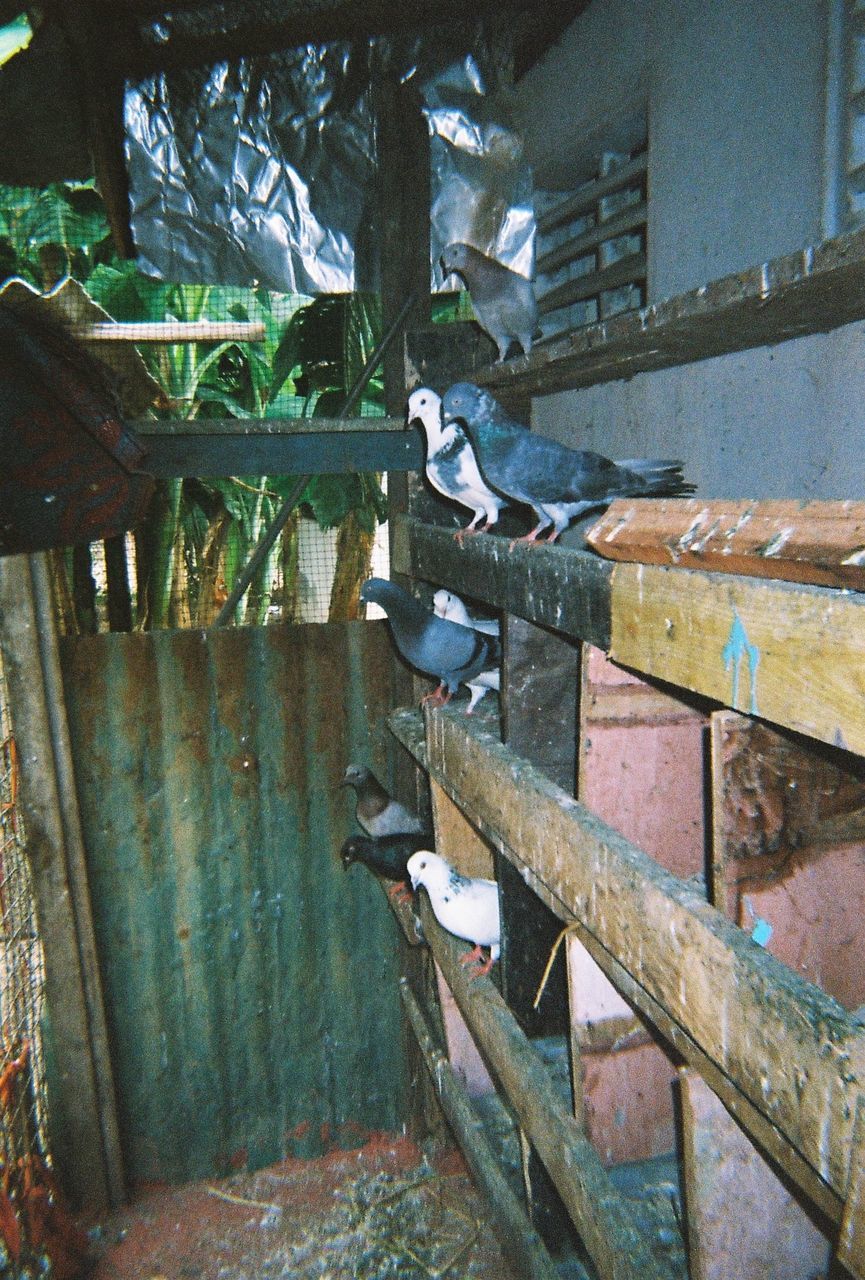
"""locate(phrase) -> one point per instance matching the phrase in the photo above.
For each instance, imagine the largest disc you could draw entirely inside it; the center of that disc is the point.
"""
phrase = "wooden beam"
(555, 587)
(85, 1141)
(812, 290)
(600, 1214)
(624, 271)
(743, 1221)
(587, 199)
(791, 654)
(791, 1051)
(629, 219)
(170, 331)
(519, 1239)
(818, 542)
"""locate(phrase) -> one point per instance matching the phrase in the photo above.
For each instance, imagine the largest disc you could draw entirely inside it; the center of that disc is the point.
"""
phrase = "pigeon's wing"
(445, 649)
(396, 819)
(470, 909)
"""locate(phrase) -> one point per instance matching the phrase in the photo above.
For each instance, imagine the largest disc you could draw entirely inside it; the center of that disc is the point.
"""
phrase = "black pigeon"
(556, 482)
(376, 811)
(436, 646)
(503, 300)
(386, 856)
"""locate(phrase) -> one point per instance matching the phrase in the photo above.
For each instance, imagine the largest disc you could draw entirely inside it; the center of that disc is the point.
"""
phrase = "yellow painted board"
(791, 654)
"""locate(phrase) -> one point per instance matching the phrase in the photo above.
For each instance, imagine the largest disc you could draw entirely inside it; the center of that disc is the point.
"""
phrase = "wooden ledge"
(812, 290)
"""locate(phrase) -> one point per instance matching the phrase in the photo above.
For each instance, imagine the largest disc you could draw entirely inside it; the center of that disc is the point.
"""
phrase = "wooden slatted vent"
(592, 248)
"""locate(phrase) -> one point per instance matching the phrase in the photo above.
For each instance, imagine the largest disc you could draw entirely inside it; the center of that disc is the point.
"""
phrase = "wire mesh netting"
(25, 1178)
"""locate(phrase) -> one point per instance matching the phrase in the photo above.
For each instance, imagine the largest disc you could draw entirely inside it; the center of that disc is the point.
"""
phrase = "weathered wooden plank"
(600, 1214)
(793, 1053)
(791, 654)
(818, 542)
(518, 1237)
(810, 291)
(555, 587)
(251, 428)
(84, 1132)
(726, 1178)
(851, 1237)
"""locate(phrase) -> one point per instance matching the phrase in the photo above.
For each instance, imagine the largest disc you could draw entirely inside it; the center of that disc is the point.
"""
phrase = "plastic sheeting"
(264, 171)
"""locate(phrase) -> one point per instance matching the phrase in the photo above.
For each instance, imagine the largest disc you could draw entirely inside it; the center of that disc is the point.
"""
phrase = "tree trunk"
(354, 546)
(290, 543)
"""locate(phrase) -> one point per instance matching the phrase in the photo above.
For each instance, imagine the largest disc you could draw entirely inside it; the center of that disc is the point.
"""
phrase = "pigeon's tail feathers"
(661, 477)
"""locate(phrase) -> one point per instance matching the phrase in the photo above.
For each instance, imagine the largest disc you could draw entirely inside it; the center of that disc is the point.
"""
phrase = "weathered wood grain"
(791, 654)
(793, 1053)
(818, 542)
(600, 1214)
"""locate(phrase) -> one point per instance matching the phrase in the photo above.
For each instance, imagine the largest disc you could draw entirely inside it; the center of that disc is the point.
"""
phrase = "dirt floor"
(377, 1212)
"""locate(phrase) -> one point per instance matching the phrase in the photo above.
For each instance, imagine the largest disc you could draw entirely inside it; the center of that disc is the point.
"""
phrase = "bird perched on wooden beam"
(376, 811)
(503, 300)
(466, 907)
(558, 483)
(455, 655)
(446, 604)
(386, 855)
(451, 466)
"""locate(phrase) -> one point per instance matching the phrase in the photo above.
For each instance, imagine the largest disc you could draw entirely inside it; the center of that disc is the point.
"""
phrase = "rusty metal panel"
(251, 982)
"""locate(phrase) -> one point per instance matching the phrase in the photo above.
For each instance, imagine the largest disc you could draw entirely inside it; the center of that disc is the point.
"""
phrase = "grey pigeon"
(556, 482)
(453, 654)
(466, 907)
(376, 811)
(503, 300)
(448, 605)
(451, 466)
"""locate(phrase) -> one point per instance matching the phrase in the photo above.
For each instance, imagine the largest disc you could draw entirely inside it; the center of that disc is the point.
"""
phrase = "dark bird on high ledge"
(454, 654)
(503, 300)
(376, 811)
(558, 483)
(451, 466)
(465, 907)
(387, 855)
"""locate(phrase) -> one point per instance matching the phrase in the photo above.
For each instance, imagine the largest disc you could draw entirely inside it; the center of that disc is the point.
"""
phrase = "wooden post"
(84, 1133)
(518, 1238)
(743, 1222)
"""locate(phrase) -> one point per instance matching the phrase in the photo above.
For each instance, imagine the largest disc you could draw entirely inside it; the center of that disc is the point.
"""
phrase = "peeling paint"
(737, 647)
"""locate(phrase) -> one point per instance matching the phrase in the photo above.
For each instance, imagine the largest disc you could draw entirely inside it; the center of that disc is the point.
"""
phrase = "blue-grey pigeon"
(455, 655)
(556, 482)
(503, 300)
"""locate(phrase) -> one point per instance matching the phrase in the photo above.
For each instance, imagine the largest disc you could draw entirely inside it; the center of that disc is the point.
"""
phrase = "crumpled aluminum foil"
(263, 171)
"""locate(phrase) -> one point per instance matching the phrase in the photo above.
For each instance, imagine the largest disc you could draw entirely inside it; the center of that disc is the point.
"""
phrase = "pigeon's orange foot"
(527, 540)
(438, 698)
(471, 956)
(482, 970)
(468, 532)
(400, 892)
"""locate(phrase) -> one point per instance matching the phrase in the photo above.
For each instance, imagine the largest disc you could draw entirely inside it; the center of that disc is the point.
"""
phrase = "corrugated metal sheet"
(250, 980)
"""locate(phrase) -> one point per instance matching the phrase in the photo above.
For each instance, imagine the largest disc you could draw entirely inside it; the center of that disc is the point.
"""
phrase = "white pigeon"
(447, 605)
(451, 466)
(465, 907)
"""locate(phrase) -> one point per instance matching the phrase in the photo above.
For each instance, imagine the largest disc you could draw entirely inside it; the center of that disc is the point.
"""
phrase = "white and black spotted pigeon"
(465, 907)
(451, 466)
(448, 605)
(376, 811)
(503, 300)
(556, 482)
(455, 655)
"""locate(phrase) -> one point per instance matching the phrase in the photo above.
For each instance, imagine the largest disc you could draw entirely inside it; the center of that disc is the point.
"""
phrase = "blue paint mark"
(734, 650)
(762, 932)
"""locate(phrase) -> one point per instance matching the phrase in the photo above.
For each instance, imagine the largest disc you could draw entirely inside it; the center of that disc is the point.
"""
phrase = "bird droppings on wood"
(379, 1212)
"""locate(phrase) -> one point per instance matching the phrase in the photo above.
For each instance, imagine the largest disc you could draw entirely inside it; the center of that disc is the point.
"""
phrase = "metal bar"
(586, 199)
(260, 552)
(518, 1237)
(630, 218)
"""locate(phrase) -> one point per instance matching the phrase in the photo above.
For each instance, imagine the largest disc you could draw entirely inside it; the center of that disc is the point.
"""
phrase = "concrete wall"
(736, 102)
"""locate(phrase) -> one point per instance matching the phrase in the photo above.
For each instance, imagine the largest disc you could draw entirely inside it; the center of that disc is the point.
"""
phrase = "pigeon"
(503, 300)
(377, 813)
(448, 605)
(386, 855)
(451, 467)
(557, 482)
(465, 907)
(436, 646)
